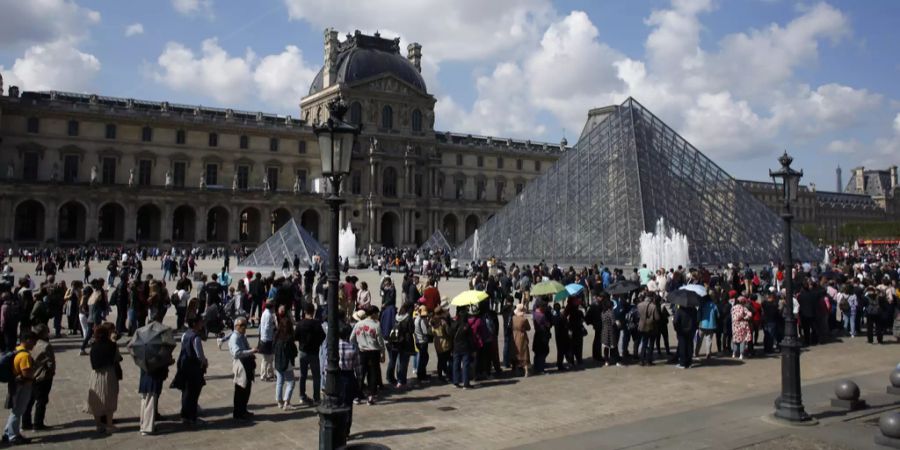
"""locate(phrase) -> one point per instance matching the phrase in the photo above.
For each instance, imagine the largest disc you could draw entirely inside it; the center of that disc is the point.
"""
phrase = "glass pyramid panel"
(625, 173)
(436, 242)
(291, 239)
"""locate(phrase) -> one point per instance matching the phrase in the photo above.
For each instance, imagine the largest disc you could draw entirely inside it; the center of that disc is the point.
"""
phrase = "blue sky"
(742, 80)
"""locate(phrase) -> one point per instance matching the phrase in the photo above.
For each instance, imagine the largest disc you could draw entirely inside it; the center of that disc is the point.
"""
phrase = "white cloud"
(897, 124)
(284, 78)
(42, 21)
(728, 126)
(447, 30)
(280, 79)
(194, 7)
(54, 66)
(830, 107)
(134, 29)
(849, 146)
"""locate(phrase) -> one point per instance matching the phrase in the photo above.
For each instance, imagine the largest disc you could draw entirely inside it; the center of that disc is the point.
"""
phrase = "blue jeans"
(19, 405)
(392, 366)
(738, 348)
(310, 362)
(284, 385)
(770, 329)
(849, 321)
(624, 336)
(402, 367)
(461, 368)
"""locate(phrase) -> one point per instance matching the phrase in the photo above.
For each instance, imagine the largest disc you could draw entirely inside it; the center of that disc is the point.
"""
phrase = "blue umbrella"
(574, 289)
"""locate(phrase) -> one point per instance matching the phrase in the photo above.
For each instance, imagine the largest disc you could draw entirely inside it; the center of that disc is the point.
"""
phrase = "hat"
(249, 273)
(732, 293)
(359, 315)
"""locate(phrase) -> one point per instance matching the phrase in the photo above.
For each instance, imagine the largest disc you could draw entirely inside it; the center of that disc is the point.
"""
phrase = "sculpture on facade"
(168, 179)
(265, 182)
(234, 182)
(93, 174)
(296, 184)
(131, 177)
(203, 181)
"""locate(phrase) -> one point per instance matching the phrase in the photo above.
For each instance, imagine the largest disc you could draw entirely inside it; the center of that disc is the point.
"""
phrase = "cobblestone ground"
(500, 413)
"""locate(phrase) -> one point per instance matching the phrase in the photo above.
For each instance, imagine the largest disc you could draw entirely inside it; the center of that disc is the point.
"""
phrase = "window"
(356, 182)
(417, 184)
(355, 113)
(180, 137)
(73, 128)
(109, 170)
(273, 144)
(212, 174)
(460, 185)
(499, 162)
(387, 117)
(33, 125)
(180, 169)
(519, 188)
(70, 168)
(144, 172)
(480, 187)
(243, 177)
(459, 160)
(245, 142)
(213, 140)
(147, 134)
(416, 120)
(301, 179)
(30, 166)
(272, 175)
(480, 161)
(110, 131)
(389, 182)
(301, 147)
(518, 164)
(537, 166)
(500, 187)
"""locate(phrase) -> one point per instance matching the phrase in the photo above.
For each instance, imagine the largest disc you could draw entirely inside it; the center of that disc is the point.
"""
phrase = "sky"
(742, 80)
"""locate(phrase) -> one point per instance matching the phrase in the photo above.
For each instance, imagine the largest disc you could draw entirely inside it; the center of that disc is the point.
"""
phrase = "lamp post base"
(333, 425)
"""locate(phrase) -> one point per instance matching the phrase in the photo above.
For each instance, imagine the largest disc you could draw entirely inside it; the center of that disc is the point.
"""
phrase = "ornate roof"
(361, 57)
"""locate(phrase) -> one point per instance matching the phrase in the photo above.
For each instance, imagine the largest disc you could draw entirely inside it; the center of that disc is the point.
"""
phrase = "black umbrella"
(623, 287)
(152, 346)
(684, 297)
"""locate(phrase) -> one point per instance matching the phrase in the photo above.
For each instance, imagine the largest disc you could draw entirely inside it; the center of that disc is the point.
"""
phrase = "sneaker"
(741, 357)
(371, 400)
(620, 365)
(680, 367)
(468, 386)
(82, 353)
(358, 401)
(305, 400)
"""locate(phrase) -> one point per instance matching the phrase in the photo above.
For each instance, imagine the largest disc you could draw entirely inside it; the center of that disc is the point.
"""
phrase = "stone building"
(80, 168)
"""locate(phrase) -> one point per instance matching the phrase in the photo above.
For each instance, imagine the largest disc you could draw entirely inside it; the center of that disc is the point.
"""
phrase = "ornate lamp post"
(789, 406)
(336, 139)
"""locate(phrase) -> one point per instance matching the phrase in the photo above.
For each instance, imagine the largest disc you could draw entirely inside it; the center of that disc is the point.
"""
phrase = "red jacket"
(432, 298)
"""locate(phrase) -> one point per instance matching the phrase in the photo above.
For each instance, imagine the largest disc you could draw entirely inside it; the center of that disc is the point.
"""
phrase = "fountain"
(665, 248)
(347, 246)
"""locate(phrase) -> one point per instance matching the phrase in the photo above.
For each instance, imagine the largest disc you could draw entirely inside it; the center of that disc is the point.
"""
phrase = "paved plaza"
(715, 405)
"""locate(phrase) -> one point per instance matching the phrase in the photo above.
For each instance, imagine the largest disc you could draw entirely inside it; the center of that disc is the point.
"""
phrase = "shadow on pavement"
(386, 433)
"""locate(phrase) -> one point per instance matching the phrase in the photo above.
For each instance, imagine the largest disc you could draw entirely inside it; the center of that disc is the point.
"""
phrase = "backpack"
(396, 336)
(632, 318)
(6, 366)
(844, 304)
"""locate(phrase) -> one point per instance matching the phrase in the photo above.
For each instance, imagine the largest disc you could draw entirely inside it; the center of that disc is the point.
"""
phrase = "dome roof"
(361, 57)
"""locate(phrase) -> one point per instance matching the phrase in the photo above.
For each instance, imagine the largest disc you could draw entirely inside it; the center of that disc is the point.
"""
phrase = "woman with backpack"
(463, 348)
(401, 340)
(443, 342)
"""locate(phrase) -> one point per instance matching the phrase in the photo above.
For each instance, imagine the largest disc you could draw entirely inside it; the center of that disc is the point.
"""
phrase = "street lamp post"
(336, 139)
(789, 405)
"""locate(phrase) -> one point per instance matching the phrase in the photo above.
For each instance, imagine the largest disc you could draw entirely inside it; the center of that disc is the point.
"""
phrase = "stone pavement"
(646, 403)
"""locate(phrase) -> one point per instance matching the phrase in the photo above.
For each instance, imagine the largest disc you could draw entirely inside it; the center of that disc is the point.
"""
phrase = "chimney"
(329, 73)
(840, 182)
(860, 180)
(14, 91)
(893, 178)
(414, 55)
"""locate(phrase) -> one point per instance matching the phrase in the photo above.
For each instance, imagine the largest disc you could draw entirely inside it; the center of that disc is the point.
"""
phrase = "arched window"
(389, 180)
(416, 120)
(355, 113)
(387, 117)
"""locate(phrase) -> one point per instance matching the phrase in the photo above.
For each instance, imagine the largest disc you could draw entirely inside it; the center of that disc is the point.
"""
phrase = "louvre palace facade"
(78, 168)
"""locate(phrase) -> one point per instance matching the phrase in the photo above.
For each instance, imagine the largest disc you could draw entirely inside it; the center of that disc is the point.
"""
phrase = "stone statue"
(409, 149)
(54, 175)
(203, 181)
(373, 144)
(234, 181)
(265, 182)
(296, 184)
(131, 177)
(10, 171)
(164, 106)
(168, 179)
(93, 174)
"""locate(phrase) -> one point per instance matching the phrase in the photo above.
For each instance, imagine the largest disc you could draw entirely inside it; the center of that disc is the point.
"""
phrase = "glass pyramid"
(436, 242)
(291, 239)
(628, 170)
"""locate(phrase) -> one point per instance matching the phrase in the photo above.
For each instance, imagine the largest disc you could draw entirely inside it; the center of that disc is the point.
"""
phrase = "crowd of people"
(382, 344)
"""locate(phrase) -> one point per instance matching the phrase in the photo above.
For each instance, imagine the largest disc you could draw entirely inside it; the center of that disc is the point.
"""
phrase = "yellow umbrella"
(469, 298)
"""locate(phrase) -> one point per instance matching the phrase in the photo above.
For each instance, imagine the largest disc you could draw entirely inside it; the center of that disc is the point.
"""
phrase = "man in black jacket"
(685, 325)
(808, 299)
(309, 335)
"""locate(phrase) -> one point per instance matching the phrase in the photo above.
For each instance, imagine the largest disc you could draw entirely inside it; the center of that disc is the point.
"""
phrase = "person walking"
(44, 370)
(608, 332)
(709, 322)
(192, 365)
(740, 327)
(366, 336)
(520, 329)
(402, 340)
(647, 327)
(685, 325)
(285, 353)
(150, 385)
(310, 335)
(20, 389)
(243, 367)
(106, 371)
(267, 342)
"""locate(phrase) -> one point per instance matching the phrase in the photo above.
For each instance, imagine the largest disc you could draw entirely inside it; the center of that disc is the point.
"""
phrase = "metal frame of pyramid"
(437, 241)
(627, 171)
(291, 239)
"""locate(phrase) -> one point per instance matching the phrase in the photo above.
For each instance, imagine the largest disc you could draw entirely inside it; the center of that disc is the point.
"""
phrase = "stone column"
(129, 230)
(234, 226)
(91, 222)
(165, 231)
(7, 222)
(372, 221)
(200, 224)
(51, 221)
